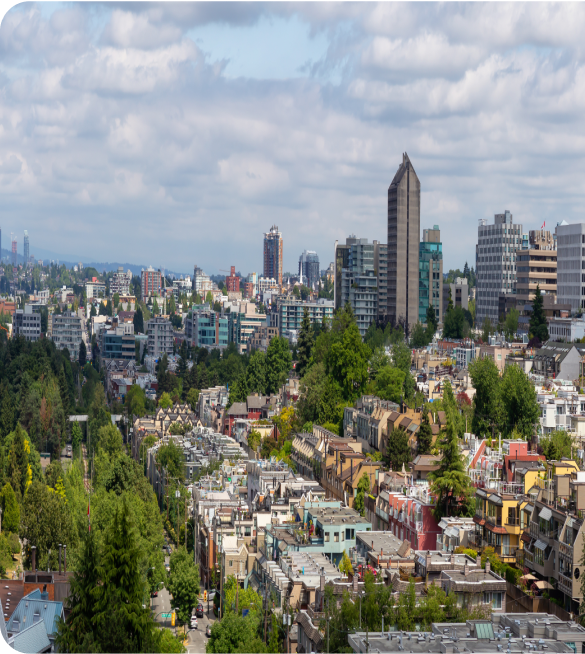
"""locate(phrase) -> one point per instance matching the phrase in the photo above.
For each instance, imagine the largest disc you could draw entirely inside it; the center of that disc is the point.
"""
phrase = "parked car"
(199, 611)
(155, 594)
(208, 630)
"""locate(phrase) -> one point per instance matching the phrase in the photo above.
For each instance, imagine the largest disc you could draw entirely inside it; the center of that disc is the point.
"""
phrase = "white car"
(193, 622)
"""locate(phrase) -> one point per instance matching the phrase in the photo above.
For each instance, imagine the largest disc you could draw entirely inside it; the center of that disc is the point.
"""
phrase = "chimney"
(488, 567)
(64, 559)
(428, 560)
(60, 548)
(466, 568)
(34, 557)
(355, 582)
(322, 580)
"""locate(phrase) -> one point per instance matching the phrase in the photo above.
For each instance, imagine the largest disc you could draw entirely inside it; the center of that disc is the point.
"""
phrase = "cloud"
(123, 140)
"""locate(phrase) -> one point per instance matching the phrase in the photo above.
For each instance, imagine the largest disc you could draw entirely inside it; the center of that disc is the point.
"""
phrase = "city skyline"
(201, 121)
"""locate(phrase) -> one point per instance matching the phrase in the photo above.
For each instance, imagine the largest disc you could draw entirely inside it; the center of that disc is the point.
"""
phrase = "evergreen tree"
(450, 303)
(78, 633)
(538, 325)
(419, 337)
(82, 354)
(425, 433)
(10, 510)
(64, 390)
(18, 469)
(256, 374)
(278, 364)
(450, 482)
(432, 323)
(138, 321)
(397, 449)
(466, 271)
(305, 344)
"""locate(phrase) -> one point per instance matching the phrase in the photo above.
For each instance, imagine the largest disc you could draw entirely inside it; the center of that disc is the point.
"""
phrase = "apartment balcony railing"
(566, 549)
(440, 545)
(495, 520)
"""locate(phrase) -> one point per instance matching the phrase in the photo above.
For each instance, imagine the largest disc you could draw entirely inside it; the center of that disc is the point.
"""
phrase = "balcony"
(565, 584)
(566, 549)
(494, 520)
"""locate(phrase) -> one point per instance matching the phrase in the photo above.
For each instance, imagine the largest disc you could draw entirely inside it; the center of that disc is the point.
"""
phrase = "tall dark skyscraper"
(403, 244)
(273, 254)
(26, 249)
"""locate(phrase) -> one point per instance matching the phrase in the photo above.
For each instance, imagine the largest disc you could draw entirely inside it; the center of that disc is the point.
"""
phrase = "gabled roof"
(238, 409)
(33, 603)
(31, 640)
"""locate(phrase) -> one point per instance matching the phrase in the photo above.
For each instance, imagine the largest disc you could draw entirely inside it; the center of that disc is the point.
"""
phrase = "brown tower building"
(273, 254)
(403, 244)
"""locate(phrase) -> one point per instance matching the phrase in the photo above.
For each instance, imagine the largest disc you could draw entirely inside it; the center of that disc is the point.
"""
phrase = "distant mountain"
(99, 266)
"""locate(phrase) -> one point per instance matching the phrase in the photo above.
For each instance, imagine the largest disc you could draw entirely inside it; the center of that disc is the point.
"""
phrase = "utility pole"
(265, 615)
(328, 625)
(287, 601)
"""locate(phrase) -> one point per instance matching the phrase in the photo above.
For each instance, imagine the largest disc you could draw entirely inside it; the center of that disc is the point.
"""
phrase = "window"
(342, 536)
(326, 539)
(336, 537)
(231, 564)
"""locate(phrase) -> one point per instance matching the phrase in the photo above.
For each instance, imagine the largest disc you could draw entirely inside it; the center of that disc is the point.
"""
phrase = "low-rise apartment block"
(65, 331)
(160, 337)
(27, 323)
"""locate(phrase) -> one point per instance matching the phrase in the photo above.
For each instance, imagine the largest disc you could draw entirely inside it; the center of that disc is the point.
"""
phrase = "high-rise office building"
(358, 284)
(14, 253)
(309, 268)
(381, 270)
(403, 244)
(26, 249)
(495, 264)
(571, 265)
(273, 254)
(430, 265)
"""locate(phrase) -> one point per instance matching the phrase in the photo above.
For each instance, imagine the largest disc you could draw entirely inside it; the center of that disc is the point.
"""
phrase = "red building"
(232, 282)
(411, 518)
(248, 289)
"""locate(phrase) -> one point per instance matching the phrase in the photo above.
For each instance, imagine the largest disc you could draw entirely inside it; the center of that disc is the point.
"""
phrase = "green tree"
(390, 384)
(519, 401)
(183, 583)
(425, 433)
(10, 510)
(538, 325)
(432, 322)
(256, 374)
(135, 401)
(305, 344)
(488, 329)
(82, 354)
(278, 364)
(109, 440)
(398, 451)
(246, 598)
(209, 298)
(419, 337)
(312, 387)
(235, 633)
(76, 438)
(347, 362)
(488, 409)
(402, 359)
(557, 444)
(18, 461)
(138, 321)
(454, 325)
(165, 401)
(450, 482)
(77, 634)
(116, 299)
(193, 398)
(363, 487)
(170, 457)
(511, 323)
(345, 566)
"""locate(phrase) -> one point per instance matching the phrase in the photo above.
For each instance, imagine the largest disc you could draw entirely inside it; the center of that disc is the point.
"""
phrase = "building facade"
(273, 254)
(26, 248)
(430, 265)
(495, 264)
(202, 283)
(210, 330)
(309, 268)
(359, 284)
(290, 313)
(571, 265)
(160, 337)
(27, 322)
(119, 342)
(232, 281)
(381, 270)
(537, 266)
(65, 332)
(403, 244)
(120, 282)
(151, 282)
(459, 294)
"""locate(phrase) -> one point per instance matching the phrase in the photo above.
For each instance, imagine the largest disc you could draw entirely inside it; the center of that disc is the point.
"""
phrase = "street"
(196, 638)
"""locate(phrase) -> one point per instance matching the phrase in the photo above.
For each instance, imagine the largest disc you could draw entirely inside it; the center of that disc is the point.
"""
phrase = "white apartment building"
(182, 286)
(93, 289)
(566, 329)
(495, 264)
(160, 337)
(201, 282)
(120, 282)
(571, 265)
(66, 332)
(27, 322)
(563, 411)
(266, 284)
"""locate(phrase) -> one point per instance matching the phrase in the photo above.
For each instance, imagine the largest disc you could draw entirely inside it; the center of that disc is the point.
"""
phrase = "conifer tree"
(538, 324)
(425, 433)
(10, 510)
(304, 344)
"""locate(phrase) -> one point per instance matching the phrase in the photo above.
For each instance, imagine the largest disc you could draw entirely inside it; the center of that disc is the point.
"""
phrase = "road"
(196, 638)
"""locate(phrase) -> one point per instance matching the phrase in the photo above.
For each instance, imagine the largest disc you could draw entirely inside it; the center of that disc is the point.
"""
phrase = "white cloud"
(111, 116)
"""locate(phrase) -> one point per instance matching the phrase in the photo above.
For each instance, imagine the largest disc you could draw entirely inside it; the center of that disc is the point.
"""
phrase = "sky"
(176, 134)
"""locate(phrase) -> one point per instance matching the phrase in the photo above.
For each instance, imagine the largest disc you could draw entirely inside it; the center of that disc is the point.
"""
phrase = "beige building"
(536, 266)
